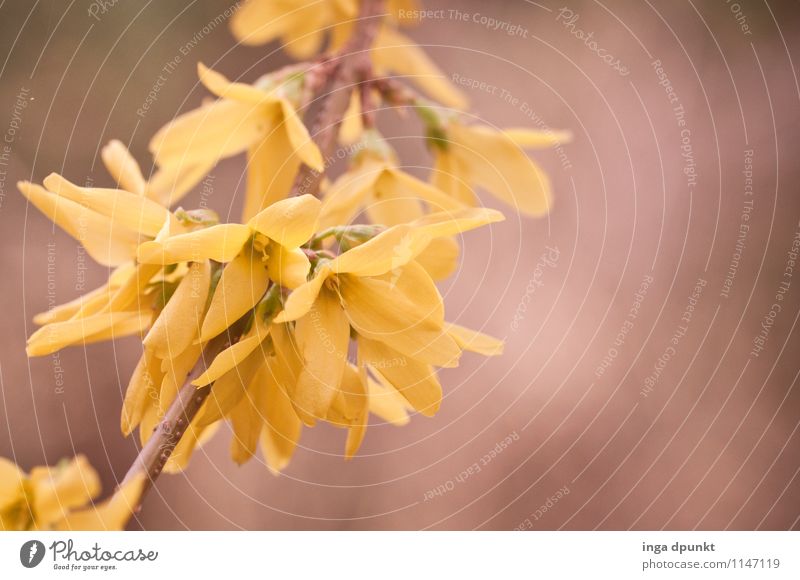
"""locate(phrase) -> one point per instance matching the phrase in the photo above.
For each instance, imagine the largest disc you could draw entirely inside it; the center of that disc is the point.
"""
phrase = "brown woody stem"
(350, 67)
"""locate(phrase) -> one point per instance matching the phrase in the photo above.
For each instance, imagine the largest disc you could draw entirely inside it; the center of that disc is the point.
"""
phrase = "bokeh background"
(599, 423)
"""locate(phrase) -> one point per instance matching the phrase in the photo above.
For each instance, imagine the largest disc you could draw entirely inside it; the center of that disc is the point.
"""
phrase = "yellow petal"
(323, 336)
(412, 286)
(416, 381)
(235, 354)
(282, 427)
(123, 167)
(59, 489)
(304, 39)
(290, 222)
(301, 141)
(106, 244)
(271, 172)
(440, 258)
(393, 204)
(221, 243)
(397, 53)
(451, 223)
(286, 267)
(452, 177)
(11, 484)
(225, 89)
(210, 133)
(57, 335)
(399, 183)
(402, 243)
(181, 319)
(387, 403)
(194, 437)
(379, 313)
(288, 362)
(91, 301)
(150, 419)
(352, 125)
(497, 164)
(175, 371)
(242, 284)
(170, 184)
(247, 420)
(129, 323)
(345, 197)
(120, 274)
(259, 21)
(302, 298)
(475, 341)
(228, 390)
(98, 299)
(142, 389)
(112, 514)
(128, 295)
(125, 210)
(349, 8)
(388, 250)
(355, 390)
(530, 138)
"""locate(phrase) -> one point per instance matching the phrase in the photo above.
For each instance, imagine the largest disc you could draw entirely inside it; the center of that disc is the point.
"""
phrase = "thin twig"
(346, 72)
(352, 66)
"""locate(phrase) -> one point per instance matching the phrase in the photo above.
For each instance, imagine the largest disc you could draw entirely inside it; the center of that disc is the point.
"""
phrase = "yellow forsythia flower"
(290, 367)
(390, 196)
(468, 156)
(264, 249)
(299, 24)
(391, 304)
(267, 247)
(374, 183)
(110, 224)
(395, 53)
(257, 119)
(60, 498)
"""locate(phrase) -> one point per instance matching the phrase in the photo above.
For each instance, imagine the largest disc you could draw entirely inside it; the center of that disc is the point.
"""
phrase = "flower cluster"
(308, 309)
(56, 498)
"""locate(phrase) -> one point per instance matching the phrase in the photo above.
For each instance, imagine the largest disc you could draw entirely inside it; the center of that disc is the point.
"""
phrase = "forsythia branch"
(349, 68)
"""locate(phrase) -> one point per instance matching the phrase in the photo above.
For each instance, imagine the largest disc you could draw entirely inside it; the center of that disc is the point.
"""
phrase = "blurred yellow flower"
(301, 25)
(58, 498)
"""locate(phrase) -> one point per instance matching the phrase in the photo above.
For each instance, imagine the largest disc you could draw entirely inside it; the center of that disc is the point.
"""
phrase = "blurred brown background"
(641, 204)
